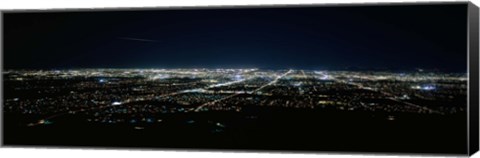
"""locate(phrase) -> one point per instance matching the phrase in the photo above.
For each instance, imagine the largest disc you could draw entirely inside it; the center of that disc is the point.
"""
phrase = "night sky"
(366, 37)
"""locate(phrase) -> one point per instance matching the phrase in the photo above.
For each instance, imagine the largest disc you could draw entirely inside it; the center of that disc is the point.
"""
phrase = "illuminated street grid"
(132, 96)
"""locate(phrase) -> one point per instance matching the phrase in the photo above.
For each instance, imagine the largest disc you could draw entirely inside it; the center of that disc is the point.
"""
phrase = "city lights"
(219, 101)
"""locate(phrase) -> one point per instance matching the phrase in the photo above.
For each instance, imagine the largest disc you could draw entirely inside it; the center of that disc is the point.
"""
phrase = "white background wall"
(87, 153)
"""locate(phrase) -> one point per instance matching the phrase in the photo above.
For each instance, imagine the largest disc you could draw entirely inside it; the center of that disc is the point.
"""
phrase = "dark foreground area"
(256, 128)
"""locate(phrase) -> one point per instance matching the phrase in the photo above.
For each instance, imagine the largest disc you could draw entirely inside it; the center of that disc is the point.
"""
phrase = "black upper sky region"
(397, 37)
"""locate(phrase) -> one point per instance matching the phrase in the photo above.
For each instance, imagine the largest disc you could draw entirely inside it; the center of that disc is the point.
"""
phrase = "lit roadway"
(233, 95)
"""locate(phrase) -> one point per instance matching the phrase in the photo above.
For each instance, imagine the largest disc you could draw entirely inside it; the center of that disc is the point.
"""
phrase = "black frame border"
(473, 73)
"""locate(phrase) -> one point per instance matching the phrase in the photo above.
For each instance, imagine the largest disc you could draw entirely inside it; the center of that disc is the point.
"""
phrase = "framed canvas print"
(358, 78)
